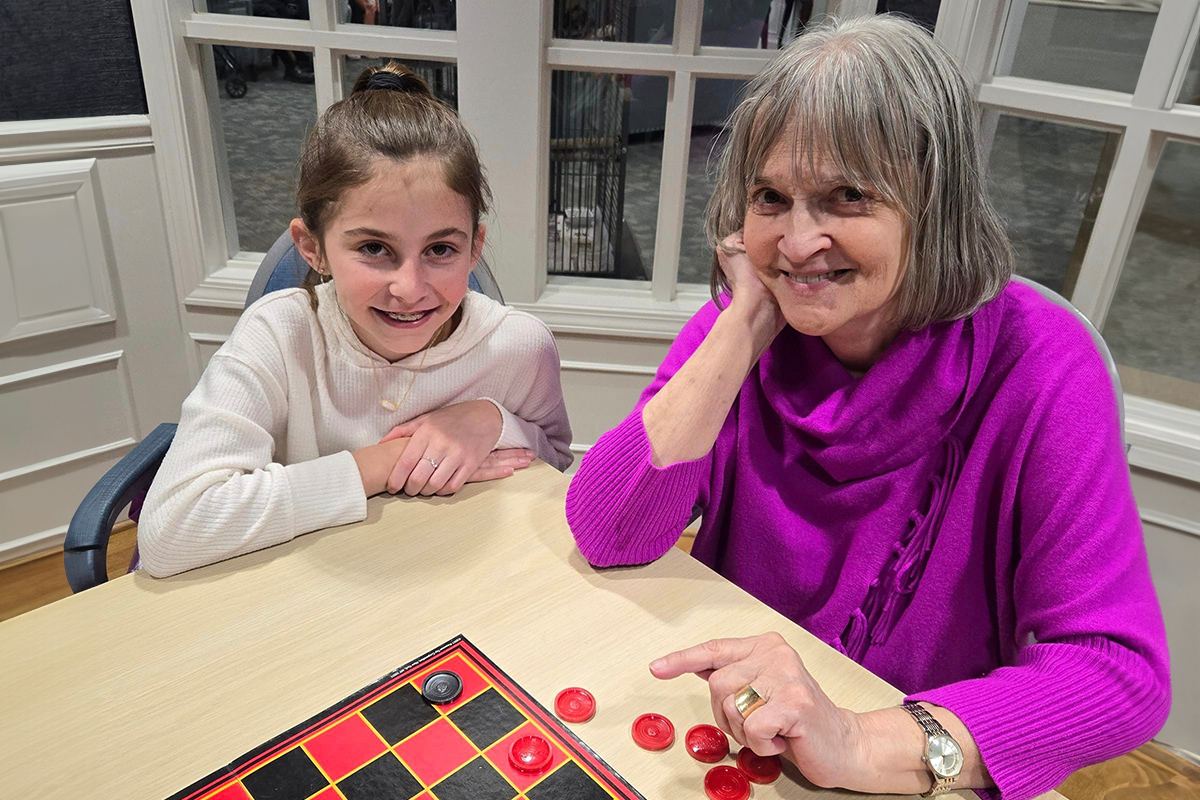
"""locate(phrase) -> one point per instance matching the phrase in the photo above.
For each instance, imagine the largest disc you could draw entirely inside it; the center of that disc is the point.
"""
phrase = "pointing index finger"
(703, 658)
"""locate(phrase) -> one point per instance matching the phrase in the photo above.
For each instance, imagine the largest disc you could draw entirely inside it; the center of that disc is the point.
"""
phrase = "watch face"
(945, 757)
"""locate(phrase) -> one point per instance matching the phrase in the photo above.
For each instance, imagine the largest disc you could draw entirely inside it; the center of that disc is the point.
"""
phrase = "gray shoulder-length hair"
(888, 108)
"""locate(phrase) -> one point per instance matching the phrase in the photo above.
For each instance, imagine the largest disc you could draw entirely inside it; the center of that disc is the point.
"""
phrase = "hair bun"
(394, 77)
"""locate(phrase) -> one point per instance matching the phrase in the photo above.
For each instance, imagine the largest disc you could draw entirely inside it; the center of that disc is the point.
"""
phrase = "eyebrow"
(378, 234)
(354, 232)
(451, 231)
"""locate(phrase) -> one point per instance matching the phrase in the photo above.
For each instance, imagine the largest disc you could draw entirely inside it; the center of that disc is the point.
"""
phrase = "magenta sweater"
(959, 521)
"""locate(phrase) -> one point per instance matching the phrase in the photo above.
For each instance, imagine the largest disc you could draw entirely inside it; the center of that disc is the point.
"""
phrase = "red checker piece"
(575, 705)
(726, 783)
(760, 769)
(707, 743)
(653, 732)
(530, 753)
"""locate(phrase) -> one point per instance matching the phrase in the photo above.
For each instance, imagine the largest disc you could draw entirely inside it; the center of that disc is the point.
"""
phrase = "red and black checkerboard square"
(435, 751)
(478, 780)
(400, 713)
(498, 755)
(344, 747)
(568, 782)
(487, 719)
(385, 778)
(292, 776)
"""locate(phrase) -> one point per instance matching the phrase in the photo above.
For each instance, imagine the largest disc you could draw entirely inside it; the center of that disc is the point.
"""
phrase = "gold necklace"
(392, 405)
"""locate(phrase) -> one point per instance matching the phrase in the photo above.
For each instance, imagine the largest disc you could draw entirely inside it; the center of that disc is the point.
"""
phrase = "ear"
(307, 243)
(477, 245)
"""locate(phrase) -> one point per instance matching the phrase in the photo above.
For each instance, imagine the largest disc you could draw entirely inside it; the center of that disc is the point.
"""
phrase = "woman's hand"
(752, 300)
(446, 447)
(798, 719)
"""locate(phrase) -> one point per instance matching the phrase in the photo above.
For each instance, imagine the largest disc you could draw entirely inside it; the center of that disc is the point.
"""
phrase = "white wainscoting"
(92, 349)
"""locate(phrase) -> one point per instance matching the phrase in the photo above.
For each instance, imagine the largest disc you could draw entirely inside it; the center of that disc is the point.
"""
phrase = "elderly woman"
(915, 459)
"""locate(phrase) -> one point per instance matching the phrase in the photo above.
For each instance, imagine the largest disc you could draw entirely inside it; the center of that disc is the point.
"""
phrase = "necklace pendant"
(388, 404)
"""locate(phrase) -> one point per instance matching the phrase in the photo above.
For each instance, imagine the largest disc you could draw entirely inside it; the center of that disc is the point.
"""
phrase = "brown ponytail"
(391, 113)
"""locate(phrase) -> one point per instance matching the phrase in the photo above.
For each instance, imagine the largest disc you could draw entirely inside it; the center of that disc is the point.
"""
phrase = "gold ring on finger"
(748, 701)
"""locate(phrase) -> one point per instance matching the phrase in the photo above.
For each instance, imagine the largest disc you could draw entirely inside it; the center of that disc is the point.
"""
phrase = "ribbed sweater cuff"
(513, 431)
(624, 510)
(325, 492)
(1063, 707)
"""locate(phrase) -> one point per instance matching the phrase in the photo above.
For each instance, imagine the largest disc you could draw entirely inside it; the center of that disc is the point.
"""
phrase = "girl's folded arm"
(220, 493)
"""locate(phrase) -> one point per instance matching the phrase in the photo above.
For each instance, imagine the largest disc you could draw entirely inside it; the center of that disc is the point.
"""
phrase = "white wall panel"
(53, 261)
(57, 412)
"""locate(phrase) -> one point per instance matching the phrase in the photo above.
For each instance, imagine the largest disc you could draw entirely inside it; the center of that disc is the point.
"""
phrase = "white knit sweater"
(263, 449)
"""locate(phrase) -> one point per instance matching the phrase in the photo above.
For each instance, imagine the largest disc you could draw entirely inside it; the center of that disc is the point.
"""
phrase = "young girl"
(384, 373)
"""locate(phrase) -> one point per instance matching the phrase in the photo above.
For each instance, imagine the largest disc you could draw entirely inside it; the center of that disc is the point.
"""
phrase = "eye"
(849, 194)
(767, 197)
(373, 250)
(442, 250)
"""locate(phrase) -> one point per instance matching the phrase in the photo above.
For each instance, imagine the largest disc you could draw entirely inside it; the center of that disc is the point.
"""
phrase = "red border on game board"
(584, 755)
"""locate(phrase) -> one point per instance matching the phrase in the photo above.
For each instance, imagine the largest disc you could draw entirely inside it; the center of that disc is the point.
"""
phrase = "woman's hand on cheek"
(446, 448)
(798, 719)
(751, 297)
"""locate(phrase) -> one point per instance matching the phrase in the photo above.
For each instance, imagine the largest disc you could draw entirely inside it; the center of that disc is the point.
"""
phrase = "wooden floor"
(1149, 773)
(38, 580)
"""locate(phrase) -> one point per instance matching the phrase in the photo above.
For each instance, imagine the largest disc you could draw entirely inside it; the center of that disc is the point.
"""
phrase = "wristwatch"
(942, 755)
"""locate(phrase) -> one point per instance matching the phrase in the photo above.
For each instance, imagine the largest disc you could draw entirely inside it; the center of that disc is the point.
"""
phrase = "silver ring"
(431, 461)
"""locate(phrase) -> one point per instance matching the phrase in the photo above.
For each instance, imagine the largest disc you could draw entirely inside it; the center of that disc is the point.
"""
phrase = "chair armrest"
(85, 552)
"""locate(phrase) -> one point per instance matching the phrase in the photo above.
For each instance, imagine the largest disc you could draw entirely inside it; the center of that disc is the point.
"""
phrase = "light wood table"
(139, 687)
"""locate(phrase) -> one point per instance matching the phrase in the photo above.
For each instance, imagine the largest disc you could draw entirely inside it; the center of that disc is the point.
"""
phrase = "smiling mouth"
(824, 276)
(402, 317)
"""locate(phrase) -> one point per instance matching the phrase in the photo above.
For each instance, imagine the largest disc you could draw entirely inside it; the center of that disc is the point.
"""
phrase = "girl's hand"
(501, 464)
(445, 448)
(798, 719)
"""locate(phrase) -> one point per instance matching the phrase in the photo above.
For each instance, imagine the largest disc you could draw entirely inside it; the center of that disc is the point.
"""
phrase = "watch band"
(932, 728)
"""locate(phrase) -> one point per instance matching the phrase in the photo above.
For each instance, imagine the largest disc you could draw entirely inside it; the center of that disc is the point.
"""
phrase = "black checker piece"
(478, 780)
(487, 719)
(292, 776)
(400, 714)
(568, 782)
(385, 778)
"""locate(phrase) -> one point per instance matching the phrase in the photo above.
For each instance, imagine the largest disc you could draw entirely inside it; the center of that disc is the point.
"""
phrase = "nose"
(409, 283)
(804, 235)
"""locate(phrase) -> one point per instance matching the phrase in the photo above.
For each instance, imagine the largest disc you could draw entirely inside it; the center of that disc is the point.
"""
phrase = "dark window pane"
(646, 21)
(1046, 180)
(1101, 46)
(62, 60)
(266, 109)
(606, 133)
(1152, 327)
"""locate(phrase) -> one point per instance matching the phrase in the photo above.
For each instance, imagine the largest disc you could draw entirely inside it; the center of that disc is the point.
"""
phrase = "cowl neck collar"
(904, 405)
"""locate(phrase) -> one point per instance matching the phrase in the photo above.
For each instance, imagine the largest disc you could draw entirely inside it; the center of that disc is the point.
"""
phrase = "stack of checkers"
(705, 743)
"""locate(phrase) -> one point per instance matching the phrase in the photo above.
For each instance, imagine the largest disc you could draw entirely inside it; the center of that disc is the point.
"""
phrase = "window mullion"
(1167, 52)
(322, 14)
(327, 74)
(504, 87)
(689, 17)
(1116, 221)
(677, 140)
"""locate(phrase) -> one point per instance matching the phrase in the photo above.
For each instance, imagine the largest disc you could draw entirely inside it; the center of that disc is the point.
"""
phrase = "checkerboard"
(387, 741)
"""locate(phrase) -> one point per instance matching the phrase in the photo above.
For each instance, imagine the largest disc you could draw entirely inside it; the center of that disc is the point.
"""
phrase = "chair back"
(1109, 362)
(284, 268)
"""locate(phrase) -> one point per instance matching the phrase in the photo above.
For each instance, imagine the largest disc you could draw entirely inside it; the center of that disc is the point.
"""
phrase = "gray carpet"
(1041, 172)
